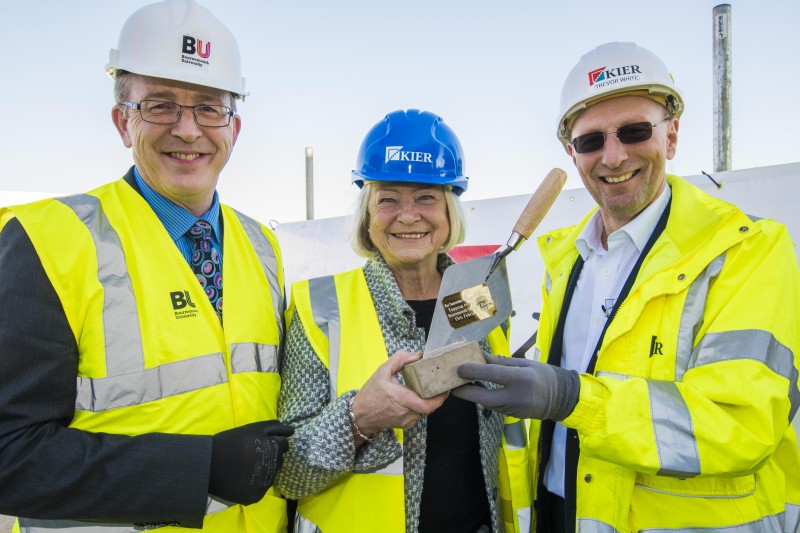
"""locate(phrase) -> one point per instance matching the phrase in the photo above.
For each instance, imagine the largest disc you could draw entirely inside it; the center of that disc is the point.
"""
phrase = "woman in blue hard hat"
(368, 453)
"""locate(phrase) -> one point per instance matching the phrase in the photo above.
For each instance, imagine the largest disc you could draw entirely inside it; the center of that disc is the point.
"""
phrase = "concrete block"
(436, 371)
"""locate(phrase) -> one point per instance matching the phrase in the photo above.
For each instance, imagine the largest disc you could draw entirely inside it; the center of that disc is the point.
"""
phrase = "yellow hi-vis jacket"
(343, 305)
(153, 356)
(685, 424)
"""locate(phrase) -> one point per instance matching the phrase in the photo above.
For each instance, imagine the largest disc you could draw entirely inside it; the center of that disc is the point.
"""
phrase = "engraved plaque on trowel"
(468, 306)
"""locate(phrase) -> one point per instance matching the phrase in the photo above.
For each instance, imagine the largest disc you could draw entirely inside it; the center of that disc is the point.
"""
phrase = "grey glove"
(530, 389)
(244, 460)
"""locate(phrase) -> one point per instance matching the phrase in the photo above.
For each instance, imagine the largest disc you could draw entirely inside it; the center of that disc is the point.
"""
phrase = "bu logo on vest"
(182, 304)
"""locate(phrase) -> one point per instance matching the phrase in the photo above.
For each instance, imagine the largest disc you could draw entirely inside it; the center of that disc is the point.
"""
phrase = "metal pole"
(309, 183)
(722, 87)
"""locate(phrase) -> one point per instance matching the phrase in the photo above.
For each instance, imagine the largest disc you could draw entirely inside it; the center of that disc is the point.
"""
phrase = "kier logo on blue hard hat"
(193, 51)
(396, 153)
(603, 77)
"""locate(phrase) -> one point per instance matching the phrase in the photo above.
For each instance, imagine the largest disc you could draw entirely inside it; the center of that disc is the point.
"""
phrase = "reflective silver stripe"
(672, 427)
(515, 435)
(692, 316)
(615, 375)
(123, 341)
(504, 326)
(269, 263)
(214, 505)
(395, 468)
(100, 394)
(253, 357)
(27, 525)
(784, 522)
(791, 522)
(590, 525)
(524, 515)
(548, 282)
(325, 309)
(754, 344)
(304, 525)
(768, 523)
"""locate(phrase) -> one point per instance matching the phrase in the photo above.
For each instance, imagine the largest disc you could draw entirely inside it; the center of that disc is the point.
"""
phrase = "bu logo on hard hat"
(396, 153)
(195, 46)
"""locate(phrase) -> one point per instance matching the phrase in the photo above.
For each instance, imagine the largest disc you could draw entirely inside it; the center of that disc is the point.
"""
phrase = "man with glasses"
(667, 355)
(130, 397)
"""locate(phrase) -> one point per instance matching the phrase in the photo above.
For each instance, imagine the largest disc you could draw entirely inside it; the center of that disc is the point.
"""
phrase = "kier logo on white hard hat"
(396, 153)
(193, 51)
(603, 77)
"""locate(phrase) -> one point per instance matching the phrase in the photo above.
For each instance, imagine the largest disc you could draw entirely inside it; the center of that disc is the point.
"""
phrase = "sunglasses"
(628, 134)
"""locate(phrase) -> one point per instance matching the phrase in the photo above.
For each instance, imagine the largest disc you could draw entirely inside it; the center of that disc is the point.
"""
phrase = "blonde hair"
(362, 244)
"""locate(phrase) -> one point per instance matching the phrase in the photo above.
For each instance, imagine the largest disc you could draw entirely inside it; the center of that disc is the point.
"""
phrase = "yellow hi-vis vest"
(153, 356)
(685, 424)
(339, 316)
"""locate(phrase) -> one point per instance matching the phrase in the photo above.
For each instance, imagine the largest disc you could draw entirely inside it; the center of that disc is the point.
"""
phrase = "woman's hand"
(385, 403)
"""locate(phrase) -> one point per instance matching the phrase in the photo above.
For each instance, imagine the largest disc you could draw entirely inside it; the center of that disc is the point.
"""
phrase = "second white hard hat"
(615, 69)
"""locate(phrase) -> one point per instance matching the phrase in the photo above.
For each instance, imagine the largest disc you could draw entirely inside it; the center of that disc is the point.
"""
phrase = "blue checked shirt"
(178, 220)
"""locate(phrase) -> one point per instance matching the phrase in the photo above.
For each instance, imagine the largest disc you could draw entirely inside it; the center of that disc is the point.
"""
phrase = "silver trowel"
(474, 297)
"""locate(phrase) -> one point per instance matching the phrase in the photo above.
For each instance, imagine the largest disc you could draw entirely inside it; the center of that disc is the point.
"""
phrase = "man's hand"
(530, 389)
(244, 460)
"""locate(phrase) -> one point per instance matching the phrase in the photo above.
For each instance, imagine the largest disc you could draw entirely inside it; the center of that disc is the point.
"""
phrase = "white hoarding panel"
(320, 247)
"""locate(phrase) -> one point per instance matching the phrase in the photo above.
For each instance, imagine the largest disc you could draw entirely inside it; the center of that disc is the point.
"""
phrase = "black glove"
(244, 460)
(530, 389)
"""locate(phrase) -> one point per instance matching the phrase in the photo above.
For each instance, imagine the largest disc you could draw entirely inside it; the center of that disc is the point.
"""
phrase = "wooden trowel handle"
(541, 202)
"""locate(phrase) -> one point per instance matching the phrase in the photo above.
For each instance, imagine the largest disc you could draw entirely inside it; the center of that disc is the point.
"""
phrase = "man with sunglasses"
(130, 398)
(666, 372)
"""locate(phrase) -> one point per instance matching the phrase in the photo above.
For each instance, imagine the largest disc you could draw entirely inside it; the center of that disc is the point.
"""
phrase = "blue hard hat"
(412, 146)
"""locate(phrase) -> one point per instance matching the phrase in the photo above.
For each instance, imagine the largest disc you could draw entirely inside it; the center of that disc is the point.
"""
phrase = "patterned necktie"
(206, 263)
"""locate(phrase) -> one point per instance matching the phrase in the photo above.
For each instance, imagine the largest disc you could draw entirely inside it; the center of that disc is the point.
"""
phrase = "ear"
(120, 119)
(571, 153)
(237, 126)
(672, 138)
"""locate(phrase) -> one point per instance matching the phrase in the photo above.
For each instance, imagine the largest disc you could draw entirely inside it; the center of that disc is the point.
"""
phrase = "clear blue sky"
(322, 73)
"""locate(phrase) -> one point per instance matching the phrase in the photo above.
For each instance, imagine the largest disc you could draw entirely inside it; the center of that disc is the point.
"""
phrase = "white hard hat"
(616, 69)
(179, 40)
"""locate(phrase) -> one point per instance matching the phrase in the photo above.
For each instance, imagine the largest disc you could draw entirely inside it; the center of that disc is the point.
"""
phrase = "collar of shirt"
(638, 230)
(176, 219)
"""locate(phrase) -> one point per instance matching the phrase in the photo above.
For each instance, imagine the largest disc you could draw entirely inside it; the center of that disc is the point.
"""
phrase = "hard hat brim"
(459, 184)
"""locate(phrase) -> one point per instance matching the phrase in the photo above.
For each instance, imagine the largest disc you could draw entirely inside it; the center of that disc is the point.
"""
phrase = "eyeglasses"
(628, 134)
(158, 112)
